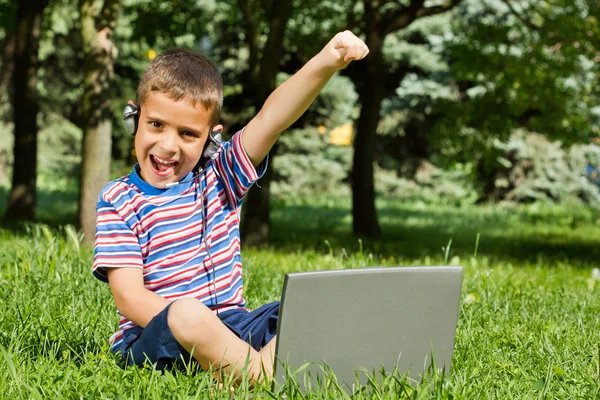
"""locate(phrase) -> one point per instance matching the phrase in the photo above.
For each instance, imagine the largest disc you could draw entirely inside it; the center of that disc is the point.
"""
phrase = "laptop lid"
(365, 319)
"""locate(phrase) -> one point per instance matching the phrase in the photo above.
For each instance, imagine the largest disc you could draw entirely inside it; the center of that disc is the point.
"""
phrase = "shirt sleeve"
(115, 245)
(236, 170)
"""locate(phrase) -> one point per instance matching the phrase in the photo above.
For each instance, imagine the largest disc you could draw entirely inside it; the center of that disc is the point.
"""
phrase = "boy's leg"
(267, 355)
(213, 345)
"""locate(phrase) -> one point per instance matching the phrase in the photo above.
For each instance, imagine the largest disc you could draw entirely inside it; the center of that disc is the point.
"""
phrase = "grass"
(528, 323)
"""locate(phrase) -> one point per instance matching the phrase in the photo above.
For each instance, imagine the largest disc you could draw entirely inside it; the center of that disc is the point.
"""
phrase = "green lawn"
(528, 323)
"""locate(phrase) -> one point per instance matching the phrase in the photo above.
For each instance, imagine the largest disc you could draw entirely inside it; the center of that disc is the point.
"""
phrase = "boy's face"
(170, 138)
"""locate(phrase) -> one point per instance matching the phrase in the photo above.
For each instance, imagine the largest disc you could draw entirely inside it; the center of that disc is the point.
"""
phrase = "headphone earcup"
(213, 145)
(130, 117)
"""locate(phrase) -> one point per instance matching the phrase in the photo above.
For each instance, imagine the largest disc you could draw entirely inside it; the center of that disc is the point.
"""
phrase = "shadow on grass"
(409, 231)
(518, 234)
(54, 208)
(62, 350)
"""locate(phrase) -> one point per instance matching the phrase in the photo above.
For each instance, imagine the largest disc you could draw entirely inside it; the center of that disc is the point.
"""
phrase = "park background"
(469, 136)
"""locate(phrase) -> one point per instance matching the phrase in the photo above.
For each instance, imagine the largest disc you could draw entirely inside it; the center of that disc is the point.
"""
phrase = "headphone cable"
(212, 264)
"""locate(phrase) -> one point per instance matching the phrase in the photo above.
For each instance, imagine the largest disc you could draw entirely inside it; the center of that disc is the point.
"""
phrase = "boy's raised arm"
(290, 100)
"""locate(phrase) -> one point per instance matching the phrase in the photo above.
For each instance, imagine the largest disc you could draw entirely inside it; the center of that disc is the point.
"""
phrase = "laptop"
(360, 322)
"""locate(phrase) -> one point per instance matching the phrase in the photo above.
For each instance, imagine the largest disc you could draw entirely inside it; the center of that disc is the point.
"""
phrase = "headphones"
(131, 116)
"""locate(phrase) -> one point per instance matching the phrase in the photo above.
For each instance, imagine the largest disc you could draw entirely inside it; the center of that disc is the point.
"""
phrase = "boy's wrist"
(323, 63)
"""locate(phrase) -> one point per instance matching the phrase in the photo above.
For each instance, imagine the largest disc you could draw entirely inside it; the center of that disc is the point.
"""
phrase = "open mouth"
(162, 166)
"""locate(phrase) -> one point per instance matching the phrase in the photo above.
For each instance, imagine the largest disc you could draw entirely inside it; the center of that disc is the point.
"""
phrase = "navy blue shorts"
(156, 345)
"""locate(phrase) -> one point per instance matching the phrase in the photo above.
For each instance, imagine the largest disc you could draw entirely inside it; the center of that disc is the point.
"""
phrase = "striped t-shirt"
(161, 231)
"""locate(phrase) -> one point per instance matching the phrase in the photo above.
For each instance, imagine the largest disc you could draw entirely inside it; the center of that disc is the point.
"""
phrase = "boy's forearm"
(141, 305)
(290, 100)
(133, 300)
(284, 106)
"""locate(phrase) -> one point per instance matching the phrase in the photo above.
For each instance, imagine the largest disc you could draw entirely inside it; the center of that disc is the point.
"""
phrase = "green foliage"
(479, 72)
(413, 111)
(421, 48)
(534, 168)
(8, 17)
(314, 23)
(420, 45)
(59, 149)
(524, 70)
(142, 26)
(60, 71)
(582, 155)
(431, 185)
(466, 80)
(183, 27)
(307, 165)
(335, 105)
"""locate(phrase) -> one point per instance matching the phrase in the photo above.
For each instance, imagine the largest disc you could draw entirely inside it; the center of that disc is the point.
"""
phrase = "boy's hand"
(344, 48)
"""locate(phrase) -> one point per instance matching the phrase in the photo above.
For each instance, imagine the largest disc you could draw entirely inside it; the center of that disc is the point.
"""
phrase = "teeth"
(164, 162)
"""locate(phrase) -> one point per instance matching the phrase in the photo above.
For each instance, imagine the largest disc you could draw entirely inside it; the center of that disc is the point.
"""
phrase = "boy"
(167, 235)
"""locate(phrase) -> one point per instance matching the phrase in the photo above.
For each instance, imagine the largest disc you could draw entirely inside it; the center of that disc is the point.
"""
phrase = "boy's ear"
(217, 128)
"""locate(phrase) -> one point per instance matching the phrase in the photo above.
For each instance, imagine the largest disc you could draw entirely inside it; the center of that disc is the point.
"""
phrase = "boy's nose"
(169, 142)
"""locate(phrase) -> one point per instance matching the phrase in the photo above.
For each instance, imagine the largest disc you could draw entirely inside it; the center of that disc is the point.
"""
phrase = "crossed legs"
(214, 346)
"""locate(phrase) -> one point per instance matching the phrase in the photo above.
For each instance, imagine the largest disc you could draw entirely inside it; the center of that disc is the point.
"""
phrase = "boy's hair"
(180, 73)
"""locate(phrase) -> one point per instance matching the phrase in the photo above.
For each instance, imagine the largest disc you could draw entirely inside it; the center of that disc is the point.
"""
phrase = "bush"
(534, 168)
(307, 165)
(430, 185)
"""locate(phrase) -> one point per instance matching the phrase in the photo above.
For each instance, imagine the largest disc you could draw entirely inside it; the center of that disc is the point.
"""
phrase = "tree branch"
(403, 17)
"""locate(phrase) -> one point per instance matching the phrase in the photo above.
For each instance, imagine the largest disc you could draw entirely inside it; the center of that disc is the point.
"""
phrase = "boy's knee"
(191, 322)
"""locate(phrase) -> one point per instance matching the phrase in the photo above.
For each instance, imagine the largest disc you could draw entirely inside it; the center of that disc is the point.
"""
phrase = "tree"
(371, 77)
(98, 20)
(521, 64)
(22, 199)
(263, 66)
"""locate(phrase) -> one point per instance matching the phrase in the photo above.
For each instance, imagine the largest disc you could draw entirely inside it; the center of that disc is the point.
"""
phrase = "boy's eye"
(188, 134)
(155, 124)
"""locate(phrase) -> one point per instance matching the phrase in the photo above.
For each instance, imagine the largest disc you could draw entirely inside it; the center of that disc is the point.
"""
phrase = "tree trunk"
(256, 224)
(257, 211)
(369, 75)
(21, 203)
(370, 96)
(99, 55)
